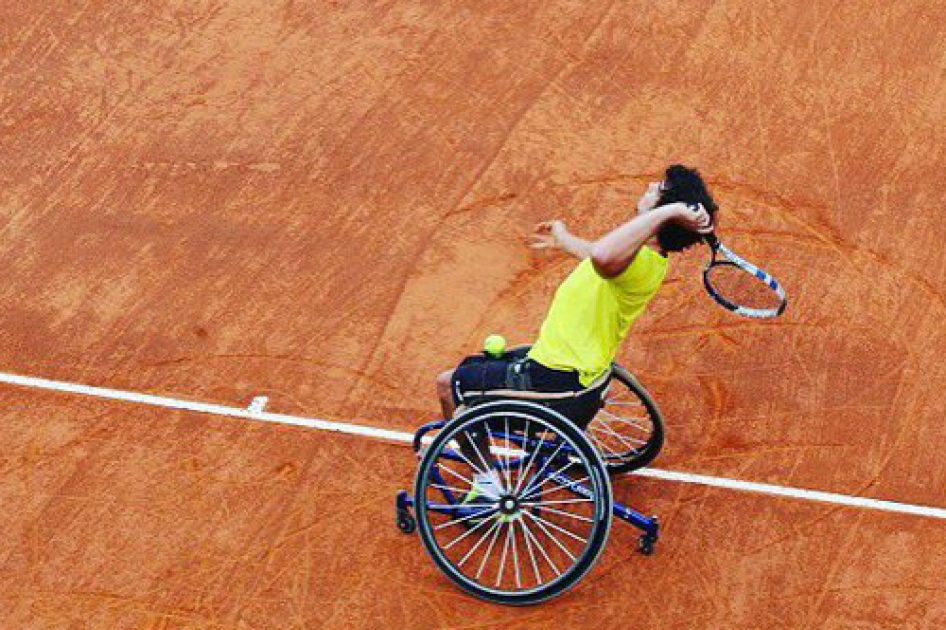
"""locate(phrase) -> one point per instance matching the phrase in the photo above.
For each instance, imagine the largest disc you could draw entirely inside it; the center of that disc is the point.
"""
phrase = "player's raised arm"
(615, 251)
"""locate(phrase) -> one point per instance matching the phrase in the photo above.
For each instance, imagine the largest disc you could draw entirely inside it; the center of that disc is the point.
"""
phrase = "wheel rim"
(527, 532)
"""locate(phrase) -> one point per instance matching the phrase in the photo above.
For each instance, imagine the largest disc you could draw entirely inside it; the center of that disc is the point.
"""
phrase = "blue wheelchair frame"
(650, 526)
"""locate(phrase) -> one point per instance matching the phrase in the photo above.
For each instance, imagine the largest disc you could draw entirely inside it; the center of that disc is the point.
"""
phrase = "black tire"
(630, 440)
(566, 456)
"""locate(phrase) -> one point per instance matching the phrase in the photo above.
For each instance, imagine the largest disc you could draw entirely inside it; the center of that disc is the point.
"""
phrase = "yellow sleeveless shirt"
(590, 316)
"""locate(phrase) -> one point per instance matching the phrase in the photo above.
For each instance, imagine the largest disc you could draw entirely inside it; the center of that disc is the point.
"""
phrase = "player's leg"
(445, 394)
(475, 374)
(448, 405)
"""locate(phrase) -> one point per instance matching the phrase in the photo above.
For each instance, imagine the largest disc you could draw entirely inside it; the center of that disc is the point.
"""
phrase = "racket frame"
(731, 258)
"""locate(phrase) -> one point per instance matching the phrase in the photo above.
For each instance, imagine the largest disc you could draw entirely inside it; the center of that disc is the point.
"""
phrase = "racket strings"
(742, 288)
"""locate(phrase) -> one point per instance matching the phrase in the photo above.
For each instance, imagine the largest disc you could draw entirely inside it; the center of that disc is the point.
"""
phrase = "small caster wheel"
(405, 522)
(647, 544)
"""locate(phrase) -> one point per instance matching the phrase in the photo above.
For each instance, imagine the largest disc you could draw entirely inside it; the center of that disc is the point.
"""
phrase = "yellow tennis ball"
(494, 345)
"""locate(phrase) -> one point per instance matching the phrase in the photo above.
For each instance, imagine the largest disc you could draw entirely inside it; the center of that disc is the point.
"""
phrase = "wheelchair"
(542, 525)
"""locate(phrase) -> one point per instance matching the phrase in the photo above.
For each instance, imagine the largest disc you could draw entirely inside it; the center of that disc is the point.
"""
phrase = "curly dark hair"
(682, 184)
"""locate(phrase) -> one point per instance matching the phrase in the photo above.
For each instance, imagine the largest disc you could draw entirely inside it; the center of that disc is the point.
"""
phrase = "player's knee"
(445, 381)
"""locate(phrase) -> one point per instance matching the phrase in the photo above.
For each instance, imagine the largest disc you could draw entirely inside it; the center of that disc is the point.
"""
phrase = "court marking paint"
(255, 412)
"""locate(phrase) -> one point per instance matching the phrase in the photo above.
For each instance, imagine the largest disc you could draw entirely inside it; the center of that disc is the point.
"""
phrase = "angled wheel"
(513, 502)
(629, 429)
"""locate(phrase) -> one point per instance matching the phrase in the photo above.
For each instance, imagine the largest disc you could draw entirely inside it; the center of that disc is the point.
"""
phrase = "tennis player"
(595, 306)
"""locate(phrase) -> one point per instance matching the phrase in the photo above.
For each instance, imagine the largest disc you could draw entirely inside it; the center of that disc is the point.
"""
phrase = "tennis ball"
(494, 345)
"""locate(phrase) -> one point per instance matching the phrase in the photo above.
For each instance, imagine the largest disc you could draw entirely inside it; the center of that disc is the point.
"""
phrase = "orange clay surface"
(328, 203)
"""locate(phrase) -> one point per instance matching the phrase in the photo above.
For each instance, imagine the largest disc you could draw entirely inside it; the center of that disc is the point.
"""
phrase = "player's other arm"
(555, 235)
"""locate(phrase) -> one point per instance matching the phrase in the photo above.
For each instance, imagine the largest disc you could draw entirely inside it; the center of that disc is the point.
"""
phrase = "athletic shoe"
(486, 490)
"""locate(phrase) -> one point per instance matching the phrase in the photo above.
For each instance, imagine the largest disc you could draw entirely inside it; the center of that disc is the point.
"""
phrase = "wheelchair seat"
(578, 406)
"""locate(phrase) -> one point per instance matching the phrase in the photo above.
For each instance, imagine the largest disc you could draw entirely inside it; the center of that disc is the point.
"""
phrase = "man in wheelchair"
(568, 367)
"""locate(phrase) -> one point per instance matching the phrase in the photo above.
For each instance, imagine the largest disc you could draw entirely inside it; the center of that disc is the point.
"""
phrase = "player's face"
(649, 199)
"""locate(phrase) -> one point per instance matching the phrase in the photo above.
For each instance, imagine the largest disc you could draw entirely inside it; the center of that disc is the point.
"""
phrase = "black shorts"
(513, 371)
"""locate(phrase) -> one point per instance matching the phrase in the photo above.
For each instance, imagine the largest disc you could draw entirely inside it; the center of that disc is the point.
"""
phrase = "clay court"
(327, 203)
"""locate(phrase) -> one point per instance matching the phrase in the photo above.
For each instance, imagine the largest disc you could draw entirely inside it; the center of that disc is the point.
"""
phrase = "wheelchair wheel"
(538, 525)
(628, 430)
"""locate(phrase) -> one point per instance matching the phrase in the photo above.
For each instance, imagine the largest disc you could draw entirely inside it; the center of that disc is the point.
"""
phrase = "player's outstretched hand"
(546, 235)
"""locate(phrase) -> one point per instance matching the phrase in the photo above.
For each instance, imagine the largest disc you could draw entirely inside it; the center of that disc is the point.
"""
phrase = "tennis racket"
(739, 286)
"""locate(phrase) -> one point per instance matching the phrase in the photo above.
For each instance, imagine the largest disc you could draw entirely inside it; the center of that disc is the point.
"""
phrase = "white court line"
(400, 436)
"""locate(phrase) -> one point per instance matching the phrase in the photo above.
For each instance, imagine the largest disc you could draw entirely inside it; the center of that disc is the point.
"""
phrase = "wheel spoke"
(565, 486)
(487, 468)
(633, 421)
(527, 492)
(545, 465)
(450, 488)
(629, 421)
(454, 507)
(535, 565)
(456, 474)
(559, 528)
(599, 442)
(636, 429)
(515, 553)
(505, 455)
(525, 437)
(484, 514)
(552, 536)
(486, 534)
(558, 502)
(535, 453)
(621, 439)
(468, 532)
(489, 550)
(493, 466)
(502, 559)
(624, 403)
(530, 535)
(569, 514)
